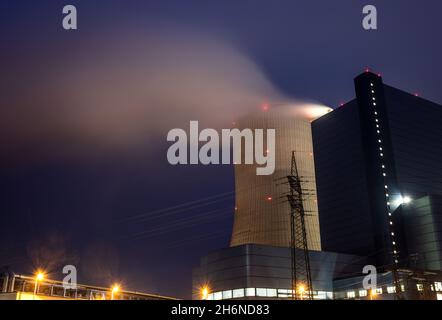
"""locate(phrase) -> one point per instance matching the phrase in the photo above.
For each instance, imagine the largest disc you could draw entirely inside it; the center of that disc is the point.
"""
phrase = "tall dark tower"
(374, 157)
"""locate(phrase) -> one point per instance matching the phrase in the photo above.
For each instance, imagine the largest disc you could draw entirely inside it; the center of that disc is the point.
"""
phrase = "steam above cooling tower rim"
(305, 110)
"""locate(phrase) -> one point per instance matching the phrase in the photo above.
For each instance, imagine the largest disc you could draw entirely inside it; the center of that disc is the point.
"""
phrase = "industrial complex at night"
(370, 181)
(357, 186)
(214, 159)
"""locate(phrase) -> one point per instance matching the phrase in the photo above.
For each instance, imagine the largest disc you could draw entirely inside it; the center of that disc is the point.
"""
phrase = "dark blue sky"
(76, 211)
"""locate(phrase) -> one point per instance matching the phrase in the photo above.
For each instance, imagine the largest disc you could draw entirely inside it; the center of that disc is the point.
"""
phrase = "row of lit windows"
(262, 292)
(318, 295)
(364, 293)
(392, 289)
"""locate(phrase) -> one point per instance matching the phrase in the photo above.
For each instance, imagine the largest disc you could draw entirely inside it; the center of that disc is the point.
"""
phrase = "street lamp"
(38, 277)
(301, 290)
(373, 294)
(204, 293)
(115, 290)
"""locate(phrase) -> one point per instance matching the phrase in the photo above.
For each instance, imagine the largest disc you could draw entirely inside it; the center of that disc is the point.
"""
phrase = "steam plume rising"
(121, 92)
(124, 90)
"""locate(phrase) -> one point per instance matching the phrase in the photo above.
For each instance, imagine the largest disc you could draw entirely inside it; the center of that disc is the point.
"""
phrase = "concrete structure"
(263, 272)
(262, 211)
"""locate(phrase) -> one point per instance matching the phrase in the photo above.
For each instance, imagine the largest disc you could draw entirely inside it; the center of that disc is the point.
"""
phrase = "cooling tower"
(262, 212)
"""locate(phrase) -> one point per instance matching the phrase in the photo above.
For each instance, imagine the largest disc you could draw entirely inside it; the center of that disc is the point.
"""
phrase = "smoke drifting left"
(123, 91)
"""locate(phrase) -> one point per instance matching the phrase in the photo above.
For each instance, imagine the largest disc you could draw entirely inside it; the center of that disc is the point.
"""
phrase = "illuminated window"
(438, 286)
(379, 290)
(250, 292)
(322, 295)
(238, 293)
(227, 294)
(362, 293)
(271, 293)
(284, 291)
(351, 294)
(261, 292)
(420, 287)
(391, 289)
(218, 295)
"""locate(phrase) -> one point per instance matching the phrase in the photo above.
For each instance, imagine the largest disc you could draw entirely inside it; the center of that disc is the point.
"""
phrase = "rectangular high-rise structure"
(373, 155)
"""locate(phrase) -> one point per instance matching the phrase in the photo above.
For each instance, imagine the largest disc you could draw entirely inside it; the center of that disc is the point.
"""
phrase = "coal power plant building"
(378, 165)
(376, 200)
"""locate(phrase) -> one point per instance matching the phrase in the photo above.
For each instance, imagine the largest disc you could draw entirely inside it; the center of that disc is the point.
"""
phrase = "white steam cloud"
(122, 91)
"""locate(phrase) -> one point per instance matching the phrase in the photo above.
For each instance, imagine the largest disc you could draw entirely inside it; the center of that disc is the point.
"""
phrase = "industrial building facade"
(370, 155)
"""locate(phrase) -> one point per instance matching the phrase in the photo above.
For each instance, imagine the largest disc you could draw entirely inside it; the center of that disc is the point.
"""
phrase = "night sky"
(99, 193)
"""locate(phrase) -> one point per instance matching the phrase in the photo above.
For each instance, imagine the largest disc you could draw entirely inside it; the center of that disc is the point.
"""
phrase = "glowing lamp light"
(402, 200)
(265, 107)
(39, 276)
(269, 198)
(406, 199)
(301, 289)
(114, 291)
(204, 292)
